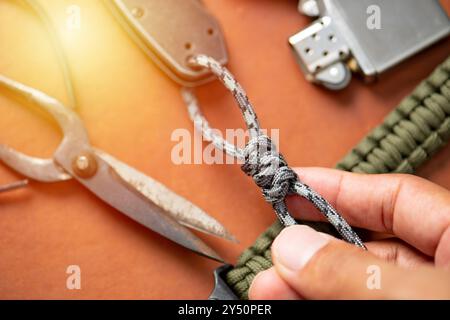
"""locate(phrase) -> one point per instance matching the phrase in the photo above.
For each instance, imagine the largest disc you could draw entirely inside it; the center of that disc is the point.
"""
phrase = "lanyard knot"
(269, 169)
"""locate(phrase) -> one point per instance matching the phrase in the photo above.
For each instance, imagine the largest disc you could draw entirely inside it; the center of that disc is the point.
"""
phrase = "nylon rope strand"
(417, 128)
(262, 161)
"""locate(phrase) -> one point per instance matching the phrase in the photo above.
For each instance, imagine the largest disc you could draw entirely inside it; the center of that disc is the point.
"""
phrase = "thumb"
(318, 266)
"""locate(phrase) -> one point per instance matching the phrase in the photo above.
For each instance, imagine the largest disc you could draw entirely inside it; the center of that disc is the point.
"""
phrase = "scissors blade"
(109, 186)
(184, 211)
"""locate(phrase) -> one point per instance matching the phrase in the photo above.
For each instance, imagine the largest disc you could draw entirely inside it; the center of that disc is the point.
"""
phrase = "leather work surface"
(130, 109)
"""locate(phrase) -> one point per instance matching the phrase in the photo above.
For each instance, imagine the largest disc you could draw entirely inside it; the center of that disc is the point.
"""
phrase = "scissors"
(136, 195)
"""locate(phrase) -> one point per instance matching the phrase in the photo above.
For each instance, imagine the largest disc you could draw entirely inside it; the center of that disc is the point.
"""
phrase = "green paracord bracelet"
(409, 136)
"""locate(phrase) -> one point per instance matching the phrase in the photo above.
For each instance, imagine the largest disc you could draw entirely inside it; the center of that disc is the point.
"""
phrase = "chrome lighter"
(367, 36)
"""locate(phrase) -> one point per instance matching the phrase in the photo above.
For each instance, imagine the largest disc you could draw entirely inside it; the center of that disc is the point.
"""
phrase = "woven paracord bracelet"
(408, 137)
(262, 162)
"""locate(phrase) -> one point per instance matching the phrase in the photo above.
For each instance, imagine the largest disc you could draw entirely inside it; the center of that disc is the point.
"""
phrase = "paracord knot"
(268, 169)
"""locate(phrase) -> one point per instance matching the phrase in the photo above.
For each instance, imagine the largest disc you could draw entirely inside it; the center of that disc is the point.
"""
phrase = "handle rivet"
(137, 12)
(85, 166)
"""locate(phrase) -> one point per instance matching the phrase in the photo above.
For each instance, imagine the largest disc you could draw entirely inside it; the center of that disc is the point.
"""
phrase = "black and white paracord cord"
(261, 159)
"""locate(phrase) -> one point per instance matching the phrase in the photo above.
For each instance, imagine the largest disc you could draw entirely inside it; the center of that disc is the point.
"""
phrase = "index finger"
(409, 207)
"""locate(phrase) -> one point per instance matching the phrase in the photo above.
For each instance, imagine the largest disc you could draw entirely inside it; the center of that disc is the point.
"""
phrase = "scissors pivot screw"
(85, 166)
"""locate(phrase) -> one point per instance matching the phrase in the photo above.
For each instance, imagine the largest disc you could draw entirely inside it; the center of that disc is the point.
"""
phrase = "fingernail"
(296, 245)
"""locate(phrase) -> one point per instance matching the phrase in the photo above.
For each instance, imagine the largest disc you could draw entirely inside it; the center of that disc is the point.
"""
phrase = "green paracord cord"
(408, 137)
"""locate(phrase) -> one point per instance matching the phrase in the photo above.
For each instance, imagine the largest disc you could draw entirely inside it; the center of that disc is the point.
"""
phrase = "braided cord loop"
(409, 135)
(262, 161)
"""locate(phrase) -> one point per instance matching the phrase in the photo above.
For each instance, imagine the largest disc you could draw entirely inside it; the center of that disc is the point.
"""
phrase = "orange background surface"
(130, 109)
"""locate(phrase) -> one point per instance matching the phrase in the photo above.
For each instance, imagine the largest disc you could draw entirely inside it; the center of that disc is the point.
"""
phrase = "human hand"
(413, 264)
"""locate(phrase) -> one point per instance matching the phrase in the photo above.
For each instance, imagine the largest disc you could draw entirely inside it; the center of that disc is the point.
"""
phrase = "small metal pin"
(13, 186)
(85, 166)
(309, 8)
(137, 12)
